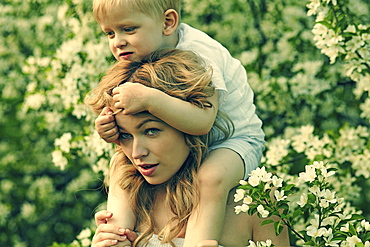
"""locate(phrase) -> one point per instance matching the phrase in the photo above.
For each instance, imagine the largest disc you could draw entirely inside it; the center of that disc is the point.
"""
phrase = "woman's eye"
(152, 132)
(124, 136)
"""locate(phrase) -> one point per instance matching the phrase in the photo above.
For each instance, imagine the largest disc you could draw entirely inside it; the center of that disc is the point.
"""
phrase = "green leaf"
(297, 213)
(265, 222)
(278, 227)
(357, 217)
(366, 237)
(311, 198)
(339, 238)
(252, 210)
(310, 243)
(289, 187)
(326, 24)
(352, 229)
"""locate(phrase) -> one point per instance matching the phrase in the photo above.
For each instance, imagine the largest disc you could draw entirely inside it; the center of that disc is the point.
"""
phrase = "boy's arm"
(182, 115)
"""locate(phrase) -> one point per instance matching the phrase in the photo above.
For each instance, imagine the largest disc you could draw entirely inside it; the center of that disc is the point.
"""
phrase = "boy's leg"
(220, 172)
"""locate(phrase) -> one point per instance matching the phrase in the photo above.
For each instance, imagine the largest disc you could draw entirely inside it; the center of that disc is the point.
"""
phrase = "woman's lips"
(147, 170)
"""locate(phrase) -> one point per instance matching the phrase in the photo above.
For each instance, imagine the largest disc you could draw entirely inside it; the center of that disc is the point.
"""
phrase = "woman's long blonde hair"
(180, 74)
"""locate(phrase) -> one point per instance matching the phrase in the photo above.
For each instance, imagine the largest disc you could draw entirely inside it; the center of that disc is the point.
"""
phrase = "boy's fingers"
(117, 90)
(110, 133)
(117, 141)
(104, 120)
(106, 111)
(105, 123)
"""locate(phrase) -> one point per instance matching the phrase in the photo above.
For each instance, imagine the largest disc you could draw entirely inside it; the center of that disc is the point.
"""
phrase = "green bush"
(311, 91)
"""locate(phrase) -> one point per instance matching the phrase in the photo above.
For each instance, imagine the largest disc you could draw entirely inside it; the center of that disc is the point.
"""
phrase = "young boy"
(134, 29)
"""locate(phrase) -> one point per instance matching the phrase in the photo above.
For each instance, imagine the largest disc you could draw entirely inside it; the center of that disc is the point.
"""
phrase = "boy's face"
(133, 35)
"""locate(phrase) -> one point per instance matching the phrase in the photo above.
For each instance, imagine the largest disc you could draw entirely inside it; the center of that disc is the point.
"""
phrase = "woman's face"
(156, 149)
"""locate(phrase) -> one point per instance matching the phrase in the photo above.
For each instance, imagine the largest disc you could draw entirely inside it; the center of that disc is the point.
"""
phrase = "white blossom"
(309, 175)
(315, 232)
(241, 208)
(264, 213)
(85, 242)
(366, 225)
(277, 182)
(85, 233)
(312, 7)
(303, 200)
(243, 182)
(34, 101)
(353, 240)
(239, 195)
(59, 160)
(279, 195)
(63, 143)
(328, 195)
(345, 228)
(247, 199)
(254, 180)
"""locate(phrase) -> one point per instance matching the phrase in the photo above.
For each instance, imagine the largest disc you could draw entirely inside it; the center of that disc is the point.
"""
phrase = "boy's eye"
(109, 33)
(129, 29)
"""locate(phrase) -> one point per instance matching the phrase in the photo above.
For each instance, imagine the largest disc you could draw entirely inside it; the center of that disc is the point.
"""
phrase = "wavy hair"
(180, 74)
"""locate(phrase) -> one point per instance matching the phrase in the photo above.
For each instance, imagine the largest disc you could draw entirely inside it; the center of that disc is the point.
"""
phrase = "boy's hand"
(132, 97)
(106, 127)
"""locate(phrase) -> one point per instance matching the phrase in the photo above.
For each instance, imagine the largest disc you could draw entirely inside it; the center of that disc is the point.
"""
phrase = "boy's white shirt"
(235, 94)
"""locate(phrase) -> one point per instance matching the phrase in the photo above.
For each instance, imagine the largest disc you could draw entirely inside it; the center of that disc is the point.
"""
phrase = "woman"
(157, 163)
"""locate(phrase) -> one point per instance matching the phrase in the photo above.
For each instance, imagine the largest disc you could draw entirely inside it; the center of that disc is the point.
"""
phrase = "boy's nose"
(120, 41)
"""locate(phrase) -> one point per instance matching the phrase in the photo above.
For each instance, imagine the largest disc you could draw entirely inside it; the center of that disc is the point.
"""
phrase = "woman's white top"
(155, 242)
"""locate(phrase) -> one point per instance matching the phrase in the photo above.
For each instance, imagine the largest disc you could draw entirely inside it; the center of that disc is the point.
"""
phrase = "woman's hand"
(110, 235)
(207, 243)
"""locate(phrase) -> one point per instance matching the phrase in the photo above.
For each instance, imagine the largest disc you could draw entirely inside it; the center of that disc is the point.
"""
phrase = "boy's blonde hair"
(152, 8)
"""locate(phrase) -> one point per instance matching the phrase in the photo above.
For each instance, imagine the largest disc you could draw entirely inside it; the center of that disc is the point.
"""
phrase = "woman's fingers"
(208, 243)
(108, 235)
(105, 243)
(102, 217)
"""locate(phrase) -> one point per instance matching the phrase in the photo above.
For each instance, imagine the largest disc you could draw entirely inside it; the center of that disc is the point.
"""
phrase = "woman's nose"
(139, 149)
